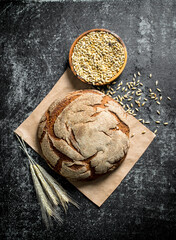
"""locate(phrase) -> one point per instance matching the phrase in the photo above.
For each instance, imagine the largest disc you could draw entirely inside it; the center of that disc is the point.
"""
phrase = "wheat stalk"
(49, 192)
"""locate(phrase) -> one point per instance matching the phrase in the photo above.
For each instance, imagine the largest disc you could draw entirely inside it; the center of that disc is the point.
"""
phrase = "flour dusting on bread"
(84, 135)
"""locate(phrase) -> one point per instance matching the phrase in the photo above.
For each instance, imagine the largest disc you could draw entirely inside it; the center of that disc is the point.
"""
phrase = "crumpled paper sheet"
(100, 189)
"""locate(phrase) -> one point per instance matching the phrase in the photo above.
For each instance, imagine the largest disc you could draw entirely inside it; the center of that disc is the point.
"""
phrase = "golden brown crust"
(65, 135)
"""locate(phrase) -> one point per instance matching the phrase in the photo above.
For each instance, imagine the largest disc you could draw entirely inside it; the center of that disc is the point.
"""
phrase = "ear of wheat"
(49, 192)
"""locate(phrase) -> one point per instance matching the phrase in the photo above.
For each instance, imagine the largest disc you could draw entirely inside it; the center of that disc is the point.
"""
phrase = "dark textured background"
(35, 39)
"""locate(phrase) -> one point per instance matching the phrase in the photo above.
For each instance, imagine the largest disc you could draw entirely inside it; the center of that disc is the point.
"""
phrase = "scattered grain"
(158, 122)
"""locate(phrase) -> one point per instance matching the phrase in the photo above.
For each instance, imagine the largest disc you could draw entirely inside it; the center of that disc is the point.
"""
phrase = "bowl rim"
(82, 35)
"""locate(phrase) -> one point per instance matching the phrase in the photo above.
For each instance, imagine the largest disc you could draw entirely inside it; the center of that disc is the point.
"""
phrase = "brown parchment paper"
(100, 189)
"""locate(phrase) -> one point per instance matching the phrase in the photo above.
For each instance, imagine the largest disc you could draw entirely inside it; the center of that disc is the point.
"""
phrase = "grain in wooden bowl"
(98, 57)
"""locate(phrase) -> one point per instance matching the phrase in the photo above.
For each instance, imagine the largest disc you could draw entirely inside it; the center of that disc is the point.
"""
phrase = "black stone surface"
(35, 39)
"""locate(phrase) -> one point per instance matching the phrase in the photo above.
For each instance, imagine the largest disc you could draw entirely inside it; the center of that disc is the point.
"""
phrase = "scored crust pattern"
(84, 135)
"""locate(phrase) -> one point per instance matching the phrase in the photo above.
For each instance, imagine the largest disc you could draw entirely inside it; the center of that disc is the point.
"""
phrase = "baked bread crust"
(84, 135)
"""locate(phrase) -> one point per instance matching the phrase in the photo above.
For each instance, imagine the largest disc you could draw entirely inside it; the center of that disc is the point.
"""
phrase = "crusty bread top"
(84, 135)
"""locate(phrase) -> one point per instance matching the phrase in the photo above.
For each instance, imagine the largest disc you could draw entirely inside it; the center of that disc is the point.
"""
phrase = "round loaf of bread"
(84, 135)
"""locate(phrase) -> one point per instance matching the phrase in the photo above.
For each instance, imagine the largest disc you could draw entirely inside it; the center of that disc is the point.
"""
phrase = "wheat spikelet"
(46, 186)
(44, 204)
(62, 195)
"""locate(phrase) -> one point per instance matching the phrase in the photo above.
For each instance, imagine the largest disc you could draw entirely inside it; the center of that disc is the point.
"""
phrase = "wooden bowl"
(82, 35)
